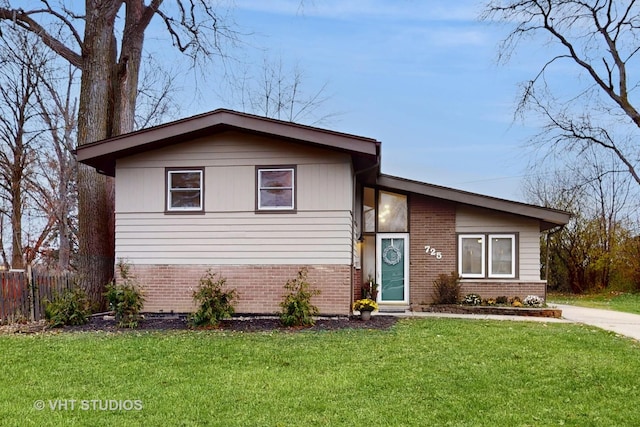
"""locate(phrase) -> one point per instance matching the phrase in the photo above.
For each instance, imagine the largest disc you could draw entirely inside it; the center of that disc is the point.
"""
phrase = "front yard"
(619, 301)
(421, 372)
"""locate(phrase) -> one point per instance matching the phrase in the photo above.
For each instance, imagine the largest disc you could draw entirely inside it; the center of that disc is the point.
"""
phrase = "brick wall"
(433, 223)
(507, 289)
(169, 288)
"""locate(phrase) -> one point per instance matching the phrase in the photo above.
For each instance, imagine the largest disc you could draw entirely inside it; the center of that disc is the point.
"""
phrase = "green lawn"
(422, 372)
(629, 302)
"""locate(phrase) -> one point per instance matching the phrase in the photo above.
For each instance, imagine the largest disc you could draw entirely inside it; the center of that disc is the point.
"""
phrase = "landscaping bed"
(495, 310)
(240, 323)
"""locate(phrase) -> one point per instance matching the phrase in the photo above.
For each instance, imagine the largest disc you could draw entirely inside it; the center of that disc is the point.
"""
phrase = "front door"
(392, 252)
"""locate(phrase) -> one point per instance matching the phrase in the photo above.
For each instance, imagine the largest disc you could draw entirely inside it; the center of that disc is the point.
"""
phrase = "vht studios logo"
(88, 405)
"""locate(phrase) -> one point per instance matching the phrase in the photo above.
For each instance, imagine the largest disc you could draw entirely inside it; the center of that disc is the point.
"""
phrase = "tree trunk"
(96, 192)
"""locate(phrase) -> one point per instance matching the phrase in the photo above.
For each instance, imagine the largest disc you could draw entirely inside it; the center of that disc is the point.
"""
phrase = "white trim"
(170, 190)
(260, 188)
(480, 275)
(512, 237)
(379, 238)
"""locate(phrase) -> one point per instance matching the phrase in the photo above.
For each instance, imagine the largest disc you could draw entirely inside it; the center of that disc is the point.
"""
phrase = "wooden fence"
(23, 294)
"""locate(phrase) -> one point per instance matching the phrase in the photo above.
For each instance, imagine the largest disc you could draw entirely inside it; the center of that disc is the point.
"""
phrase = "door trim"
(379, 237)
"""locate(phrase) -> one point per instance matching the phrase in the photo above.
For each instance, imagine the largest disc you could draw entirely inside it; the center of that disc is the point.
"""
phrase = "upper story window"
(276, 188)
(185, 192)
(487, 255)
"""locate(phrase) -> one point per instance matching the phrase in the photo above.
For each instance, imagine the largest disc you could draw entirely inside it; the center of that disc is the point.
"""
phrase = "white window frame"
(171, 190)
(483, 251)
(260, 188)
(512, 237)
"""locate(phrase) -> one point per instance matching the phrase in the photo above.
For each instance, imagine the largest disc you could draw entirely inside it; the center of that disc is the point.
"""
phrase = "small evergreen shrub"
(214, 304)
(472, 299)
(446, 289)
(125, 299)
(297, 309)
(69, 308)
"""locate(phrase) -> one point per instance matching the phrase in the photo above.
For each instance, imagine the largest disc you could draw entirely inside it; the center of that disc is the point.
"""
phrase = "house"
(256, 199)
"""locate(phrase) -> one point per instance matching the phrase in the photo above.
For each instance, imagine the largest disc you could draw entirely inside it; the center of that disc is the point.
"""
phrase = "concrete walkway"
(626, 324)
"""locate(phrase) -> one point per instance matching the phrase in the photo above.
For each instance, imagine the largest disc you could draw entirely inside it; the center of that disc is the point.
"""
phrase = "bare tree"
(109, 58)
(277, 91)
(20, 75)
(600, 41)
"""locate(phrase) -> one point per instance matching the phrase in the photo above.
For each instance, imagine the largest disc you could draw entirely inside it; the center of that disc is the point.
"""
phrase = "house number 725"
(433, 252)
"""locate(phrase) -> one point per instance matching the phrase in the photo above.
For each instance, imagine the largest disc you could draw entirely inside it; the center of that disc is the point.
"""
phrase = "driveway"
(626, 324)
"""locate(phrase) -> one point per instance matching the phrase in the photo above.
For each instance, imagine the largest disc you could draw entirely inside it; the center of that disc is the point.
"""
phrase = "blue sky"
(419, 76)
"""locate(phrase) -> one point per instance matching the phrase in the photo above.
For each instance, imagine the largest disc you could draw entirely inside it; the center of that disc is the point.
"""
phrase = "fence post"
(31, 294)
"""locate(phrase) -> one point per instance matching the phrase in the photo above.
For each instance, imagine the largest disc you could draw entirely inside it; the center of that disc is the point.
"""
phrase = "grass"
(422, 372)
(618, 301)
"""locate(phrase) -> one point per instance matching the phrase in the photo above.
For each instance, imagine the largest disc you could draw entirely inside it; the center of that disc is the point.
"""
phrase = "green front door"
(393, 267)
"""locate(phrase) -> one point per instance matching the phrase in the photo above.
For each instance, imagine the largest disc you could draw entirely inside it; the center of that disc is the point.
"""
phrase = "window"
(276, 188)
(471, 255)
(502, 263)
(499, 258)
(392, 213)
(184, 190)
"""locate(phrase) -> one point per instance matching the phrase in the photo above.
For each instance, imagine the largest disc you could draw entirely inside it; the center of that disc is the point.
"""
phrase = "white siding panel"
(477, 220)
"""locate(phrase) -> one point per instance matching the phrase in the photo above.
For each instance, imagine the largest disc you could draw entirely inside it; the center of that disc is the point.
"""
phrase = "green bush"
(446, 289)
(68, 308)
(214, 303)
(125, 299)
(297, 309)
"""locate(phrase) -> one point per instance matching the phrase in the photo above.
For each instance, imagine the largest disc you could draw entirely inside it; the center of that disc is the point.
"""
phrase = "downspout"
(353, 221)
(546, 270)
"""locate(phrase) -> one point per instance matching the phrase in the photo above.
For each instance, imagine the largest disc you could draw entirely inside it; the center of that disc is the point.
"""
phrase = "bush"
(446, 289)
(214, 303)
(68, 308)
(125, 299)
(472, 299)
(502, 300)
(297, 309)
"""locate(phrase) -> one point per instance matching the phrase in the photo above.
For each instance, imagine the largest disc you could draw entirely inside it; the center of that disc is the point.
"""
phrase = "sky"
(421, 76)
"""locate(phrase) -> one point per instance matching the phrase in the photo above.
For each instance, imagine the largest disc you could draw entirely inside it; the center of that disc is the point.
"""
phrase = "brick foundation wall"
(169, 288)
(498, 289)
(433, 223)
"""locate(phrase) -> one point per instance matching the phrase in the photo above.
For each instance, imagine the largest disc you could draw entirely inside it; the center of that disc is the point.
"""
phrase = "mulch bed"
(173, 323)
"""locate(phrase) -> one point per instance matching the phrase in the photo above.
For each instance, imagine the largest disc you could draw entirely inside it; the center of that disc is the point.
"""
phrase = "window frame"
(169, 191)
(483, 251)
(491, 274)
(294, 188)
(487, 257)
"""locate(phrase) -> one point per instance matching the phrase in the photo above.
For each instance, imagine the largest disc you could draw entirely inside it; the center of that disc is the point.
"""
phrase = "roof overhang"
(548, 218)
(102, 155)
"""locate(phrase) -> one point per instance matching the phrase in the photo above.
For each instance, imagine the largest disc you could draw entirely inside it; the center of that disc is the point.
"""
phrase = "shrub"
(214, 304)
(68, 308)
(515, 302)
(446, 289)
(502, 300)
(533, 301)
(125, 299)
(472, 299)
(297, 309)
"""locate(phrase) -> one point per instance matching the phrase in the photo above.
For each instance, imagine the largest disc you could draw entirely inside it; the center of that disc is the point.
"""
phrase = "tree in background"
(599, 41)
(595, 250)
(104, 41)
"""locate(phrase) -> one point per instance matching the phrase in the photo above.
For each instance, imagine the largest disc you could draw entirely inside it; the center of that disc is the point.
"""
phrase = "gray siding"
(230, 232)
(478, 220)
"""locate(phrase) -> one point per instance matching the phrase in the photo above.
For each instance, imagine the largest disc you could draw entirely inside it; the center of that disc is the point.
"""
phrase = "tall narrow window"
(471, 255)
(502, 262)
(392, 213)
(185, 190)
(276, 188)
